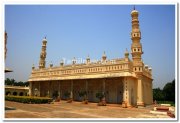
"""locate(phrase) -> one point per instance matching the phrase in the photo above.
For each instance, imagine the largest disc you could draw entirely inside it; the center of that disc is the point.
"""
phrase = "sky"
(82, 30)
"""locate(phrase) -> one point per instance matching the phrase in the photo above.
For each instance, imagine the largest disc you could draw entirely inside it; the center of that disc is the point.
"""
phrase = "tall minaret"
(136, 47)
(42, 62)
(136, 51)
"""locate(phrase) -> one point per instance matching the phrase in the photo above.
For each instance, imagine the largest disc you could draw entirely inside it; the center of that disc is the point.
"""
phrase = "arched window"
(8, 93)
(21, 94)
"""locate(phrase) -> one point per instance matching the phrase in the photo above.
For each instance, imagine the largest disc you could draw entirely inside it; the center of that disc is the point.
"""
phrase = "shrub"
(83, 94)
(100, 95)
(67, 95)
(27, 99)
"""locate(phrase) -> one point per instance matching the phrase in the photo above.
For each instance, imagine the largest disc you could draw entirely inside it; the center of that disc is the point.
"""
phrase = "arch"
(15, 93)
(21, 94)
(8, 93)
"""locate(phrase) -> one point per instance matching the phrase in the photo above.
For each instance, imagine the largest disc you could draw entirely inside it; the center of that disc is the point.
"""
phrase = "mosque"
(123, 80)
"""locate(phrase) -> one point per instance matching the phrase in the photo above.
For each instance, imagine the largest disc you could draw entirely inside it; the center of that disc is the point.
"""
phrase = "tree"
(158, 94)
(9, 81)
(169, 91)
(14, 83)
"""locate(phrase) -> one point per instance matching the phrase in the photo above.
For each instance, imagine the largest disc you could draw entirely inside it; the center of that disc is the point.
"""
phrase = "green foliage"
(55, 94)
(27, 99)
(82, 94)
(167, 94)
(158, 94)
(14, 83)
(67, 95)
(100, 95)
(169, 91)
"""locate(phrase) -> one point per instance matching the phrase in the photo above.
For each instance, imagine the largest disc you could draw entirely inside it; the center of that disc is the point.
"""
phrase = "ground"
(63, 109)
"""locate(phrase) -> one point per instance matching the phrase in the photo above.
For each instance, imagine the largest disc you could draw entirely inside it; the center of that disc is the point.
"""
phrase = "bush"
(83, 94)
(67, 95)
(26, 99)
(100, 95)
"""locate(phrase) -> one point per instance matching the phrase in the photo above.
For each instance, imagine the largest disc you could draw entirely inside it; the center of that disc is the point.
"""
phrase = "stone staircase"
(164, 110)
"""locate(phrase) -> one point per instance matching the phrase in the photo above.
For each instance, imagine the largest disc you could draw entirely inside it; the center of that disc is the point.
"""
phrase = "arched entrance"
(21, 94)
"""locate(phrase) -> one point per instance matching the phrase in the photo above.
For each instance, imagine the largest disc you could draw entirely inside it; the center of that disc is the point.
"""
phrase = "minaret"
(104, 57)
(42, 62)
(136, 51)
(136, 47)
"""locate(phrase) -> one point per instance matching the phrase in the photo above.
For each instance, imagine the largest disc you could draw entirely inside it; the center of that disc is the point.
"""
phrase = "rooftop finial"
(126, 50)
(88, 56)
(134, 7)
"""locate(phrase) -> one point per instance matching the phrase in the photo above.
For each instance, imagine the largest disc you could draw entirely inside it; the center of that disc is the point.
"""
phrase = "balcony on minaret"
(135, 35)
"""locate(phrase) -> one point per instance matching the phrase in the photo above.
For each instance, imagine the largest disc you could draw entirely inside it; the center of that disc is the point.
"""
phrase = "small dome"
(150, 68)
(146, 66)
(104, 54)
(44, 39)
(126, 53)
(88, 57)
(134, 12)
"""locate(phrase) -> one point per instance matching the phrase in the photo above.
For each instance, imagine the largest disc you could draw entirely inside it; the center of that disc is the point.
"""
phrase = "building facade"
(16, 90)
(121, 79)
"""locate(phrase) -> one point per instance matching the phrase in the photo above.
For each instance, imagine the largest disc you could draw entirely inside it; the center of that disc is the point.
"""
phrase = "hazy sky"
(79, 30)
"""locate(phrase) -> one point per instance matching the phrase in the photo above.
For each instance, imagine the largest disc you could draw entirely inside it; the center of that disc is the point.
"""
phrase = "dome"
(134, 12)
(88, 57)
(44, 39)
(126, 53)
(104, 55)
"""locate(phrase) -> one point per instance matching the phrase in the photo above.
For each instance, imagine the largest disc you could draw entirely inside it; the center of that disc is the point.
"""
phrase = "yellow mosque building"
(121, 80)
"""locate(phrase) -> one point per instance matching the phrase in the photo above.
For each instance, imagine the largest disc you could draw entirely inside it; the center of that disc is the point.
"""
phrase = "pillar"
(71, 93)
(104, 89)
(49, 92)
(59, 90)
(87, 89)
(127, 91)
(104, 86)
(30, 88)
(39, 89)
(140, 100)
